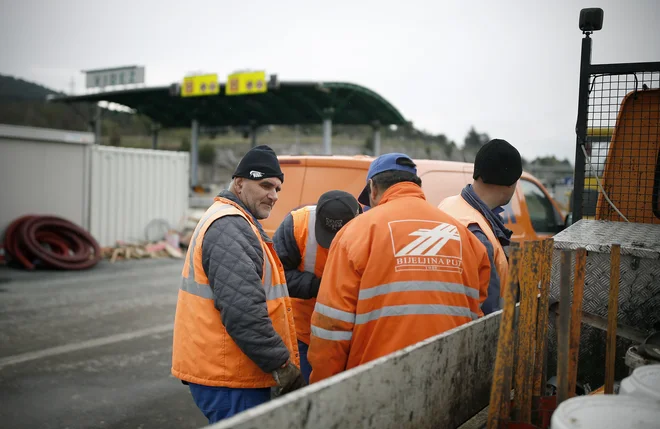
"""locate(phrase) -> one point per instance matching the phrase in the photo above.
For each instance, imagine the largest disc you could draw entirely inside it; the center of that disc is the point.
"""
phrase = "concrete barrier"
(438, 383)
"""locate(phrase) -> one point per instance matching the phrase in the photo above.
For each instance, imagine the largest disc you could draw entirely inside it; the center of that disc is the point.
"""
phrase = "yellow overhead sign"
(246, 83)
(195, 86)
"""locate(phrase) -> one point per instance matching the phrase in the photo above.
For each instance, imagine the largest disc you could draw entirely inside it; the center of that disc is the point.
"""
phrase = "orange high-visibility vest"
(203, 352)
(460, 209)
(313, 259)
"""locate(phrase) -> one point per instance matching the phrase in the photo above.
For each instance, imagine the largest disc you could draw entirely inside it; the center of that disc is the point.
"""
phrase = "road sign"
(246, 83)
(195, 86)
(100, 78)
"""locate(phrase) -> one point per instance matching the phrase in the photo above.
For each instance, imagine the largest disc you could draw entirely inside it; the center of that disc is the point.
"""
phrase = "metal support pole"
(376, 139)
(581, 128)
(612, 312)
(563, 330)
(193, 152)
(154, 136)
(500, 392)
(327, 136)
(253, 134)
(98, 123)
(576, 319)
(297, 151)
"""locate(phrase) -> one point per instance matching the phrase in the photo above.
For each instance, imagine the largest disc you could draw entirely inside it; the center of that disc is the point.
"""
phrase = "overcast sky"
(510, 68)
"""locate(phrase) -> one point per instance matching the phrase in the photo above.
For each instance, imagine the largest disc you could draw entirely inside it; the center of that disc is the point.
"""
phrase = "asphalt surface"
(91, 349)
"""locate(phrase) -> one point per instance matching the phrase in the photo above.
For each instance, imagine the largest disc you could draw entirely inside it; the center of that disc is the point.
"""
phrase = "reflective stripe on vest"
(304, 232)
(311, 244)
(190, 285)
(394, 310)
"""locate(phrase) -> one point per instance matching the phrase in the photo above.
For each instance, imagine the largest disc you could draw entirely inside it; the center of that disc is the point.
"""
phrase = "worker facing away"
(234, 334)
(400, 273)
(497, 169)
(302, 241)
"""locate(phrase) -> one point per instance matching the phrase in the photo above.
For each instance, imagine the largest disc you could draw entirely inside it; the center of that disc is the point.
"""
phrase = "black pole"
(98, 124)
(253, 134)
(154, 137)
(581, 128)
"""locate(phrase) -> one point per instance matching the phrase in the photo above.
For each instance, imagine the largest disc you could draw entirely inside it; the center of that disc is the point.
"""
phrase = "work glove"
(288, 378)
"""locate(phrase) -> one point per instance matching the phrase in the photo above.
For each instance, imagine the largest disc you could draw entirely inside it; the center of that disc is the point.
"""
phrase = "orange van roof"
(363, 162)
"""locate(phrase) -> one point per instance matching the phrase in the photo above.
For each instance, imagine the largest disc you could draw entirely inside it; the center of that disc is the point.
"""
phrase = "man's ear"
(238, 181)
(373, 190)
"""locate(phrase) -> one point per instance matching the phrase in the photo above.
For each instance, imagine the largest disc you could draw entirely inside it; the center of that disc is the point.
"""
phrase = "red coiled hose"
(55, 242)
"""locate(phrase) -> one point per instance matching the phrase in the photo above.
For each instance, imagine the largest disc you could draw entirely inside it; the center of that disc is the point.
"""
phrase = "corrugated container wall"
(131, 188)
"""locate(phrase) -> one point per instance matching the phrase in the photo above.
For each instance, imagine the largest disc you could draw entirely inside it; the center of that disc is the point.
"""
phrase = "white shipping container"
(130, 188)
(114, 193)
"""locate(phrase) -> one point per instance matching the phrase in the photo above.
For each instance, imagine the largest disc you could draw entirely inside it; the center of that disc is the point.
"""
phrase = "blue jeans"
(219, 403)
(305, 367)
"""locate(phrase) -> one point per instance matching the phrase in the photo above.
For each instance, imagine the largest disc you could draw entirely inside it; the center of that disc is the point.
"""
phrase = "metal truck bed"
(639, 293)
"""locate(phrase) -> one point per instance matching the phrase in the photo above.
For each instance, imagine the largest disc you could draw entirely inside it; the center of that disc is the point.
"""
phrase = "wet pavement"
(91, 349)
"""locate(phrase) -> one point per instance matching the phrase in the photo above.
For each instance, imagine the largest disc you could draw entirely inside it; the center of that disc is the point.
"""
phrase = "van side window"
(541, 210)
(656, 189)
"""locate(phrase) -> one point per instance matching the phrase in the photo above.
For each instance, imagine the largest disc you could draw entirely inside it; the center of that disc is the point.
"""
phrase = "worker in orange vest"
(401, 272)
(234, 334)
(302, 241)
(497, 169)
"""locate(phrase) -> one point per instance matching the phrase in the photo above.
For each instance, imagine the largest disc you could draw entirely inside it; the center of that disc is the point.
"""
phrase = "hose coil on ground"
(50, 242)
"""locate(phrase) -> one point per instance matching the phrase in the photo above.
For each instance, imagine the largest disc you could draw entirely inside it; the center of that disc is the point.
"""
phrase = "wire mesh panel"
(622, 147)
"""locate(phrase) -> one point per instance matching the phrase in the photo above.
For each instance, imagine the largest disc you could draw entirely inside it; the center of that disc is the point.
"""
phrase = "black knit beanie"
(498, 163)
(259, 163)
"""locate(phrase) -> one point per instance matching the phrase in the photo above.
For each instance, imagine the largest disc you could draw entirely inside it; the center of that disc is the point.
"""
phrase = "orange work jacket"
(313, 259)
(203, 352)
(402, 272)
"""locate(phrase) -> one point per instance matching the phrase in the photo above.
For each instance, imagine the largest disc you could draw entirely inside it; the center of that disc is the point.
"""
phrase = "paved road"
(91, 349)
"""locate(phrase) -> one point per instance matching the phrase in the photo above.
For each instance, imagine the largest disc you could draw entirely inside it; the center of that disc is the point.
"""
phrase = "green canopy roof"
(290, 103)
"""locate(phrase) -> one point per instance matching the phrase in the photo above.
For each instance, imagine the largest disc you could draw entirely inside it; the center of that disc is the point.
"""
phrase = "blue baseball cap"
(386, 162)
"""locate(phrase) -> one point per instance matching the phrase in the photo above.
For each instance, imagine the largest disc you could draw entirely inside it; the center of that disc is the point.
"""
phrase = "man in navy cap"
(388, 162)
(398, 274)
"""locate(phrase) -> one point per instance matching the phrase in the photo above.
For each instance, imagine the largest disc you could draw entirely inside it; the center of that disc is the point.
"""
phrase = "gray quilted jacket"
(233, 259)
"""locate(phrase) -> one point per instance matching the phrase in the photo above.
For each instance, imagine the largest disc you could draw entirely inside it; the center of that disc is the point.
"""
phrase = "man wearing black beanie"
(497, 169)
(234, 333)
(258, 165)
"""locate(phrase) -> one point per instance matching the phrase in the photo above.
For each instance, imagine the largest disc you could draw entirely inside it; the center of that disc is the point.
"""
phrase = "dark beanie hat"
(498, 163)
(259, 163)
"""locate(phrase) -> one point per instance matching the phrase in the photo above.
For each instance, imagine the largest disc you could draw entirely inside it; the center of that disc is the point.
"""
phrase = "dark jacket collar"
(228, 195)
(502, 233)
